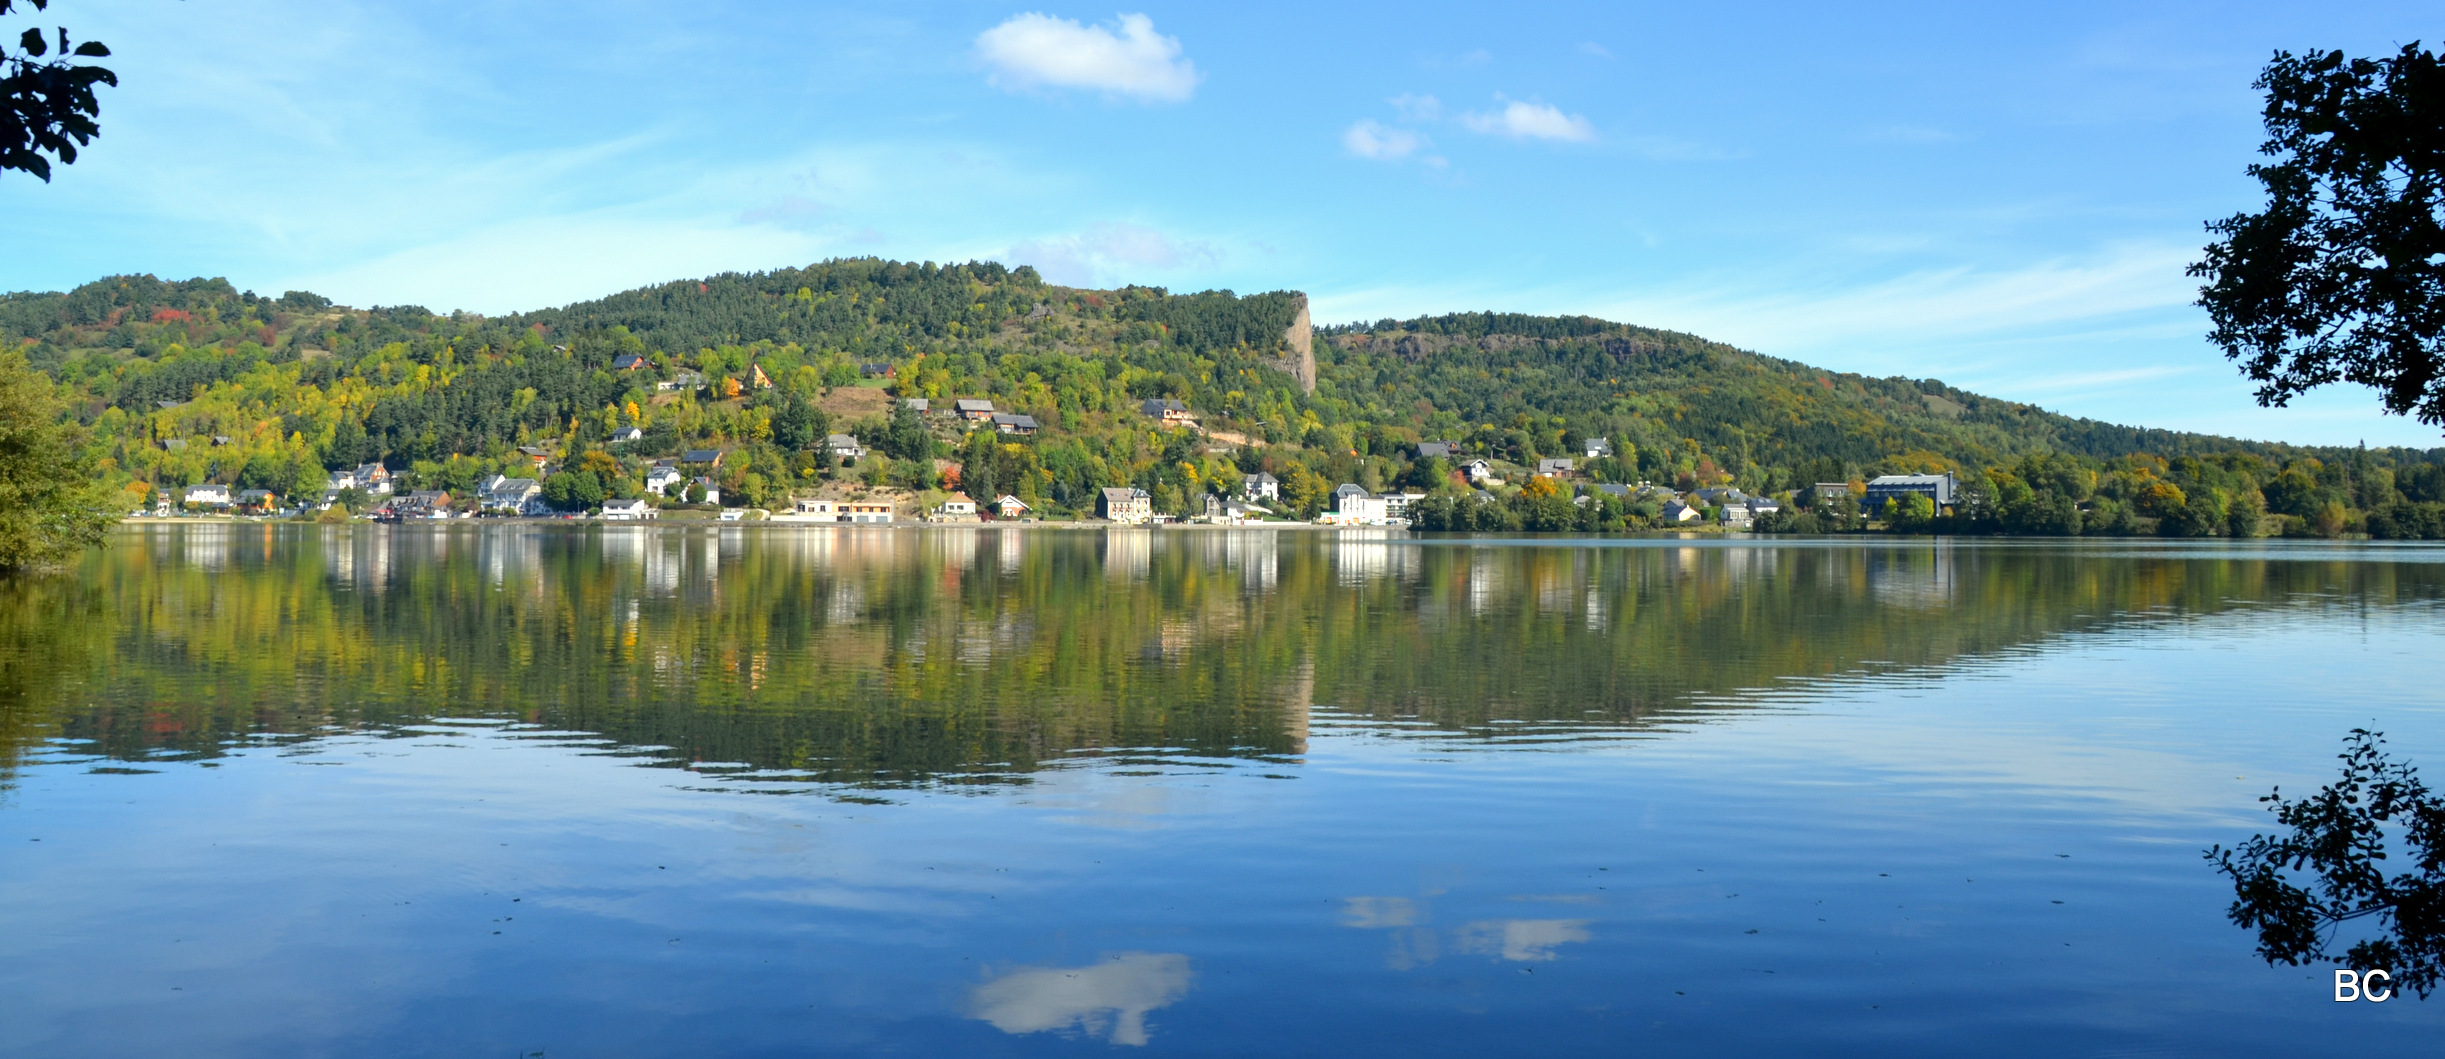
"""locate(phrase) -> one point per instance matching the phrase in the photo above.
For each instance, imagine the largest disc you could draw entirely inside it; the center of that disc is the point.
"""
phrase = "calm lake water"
(747, 791)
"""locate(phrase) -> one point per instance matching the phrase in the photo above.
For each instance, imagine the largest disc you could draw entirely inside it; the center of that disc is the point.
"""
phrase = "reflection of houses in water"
(206, 546)
(662, 558)
(1299, 705)
(1922, 578)
(373, 571)
(1487, 580)
(510, 553)
(358, 556)
(1364, 555)
(1257, 555)
(1011, 544)
(1128, 553)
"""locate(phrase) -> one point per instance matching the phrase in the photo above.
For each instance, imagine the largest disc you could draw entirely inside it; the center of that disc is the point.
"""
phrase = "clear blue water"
(1911, 799)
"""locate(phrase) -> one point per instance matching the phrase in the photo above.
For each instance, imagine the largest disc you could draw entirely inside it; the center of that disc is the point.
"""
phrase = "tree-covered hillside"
(187, 382)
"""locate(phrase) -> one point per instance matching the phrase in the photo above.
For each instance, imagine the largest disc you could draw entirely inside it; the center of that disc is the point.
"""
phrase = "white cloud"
(1531, 121)
(1595, 49)
(1369, 139)
(1418, 108)
(1110, 252)
(1034, 49)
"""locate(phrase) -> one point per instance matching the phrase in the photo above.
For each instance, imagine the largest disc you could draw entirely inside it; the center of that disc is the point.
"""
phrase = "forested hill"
(293, 385)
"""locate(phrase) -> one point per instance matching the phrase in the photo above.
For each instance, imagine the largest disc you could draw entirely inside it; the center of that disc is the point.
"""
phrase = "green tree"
(798, 424)
(2342, 277)
(908, 438)
(51, 504)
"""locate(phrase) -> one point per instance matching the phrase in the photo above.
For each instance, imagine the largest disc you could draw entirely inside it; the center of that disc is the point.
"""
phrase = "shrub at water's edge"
(51, 505)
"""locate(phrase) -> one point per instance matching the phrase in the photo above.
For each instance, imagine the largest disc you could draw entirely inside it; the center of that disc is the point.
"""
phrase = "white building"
(660, 478)
(208, 495)
(626, 511)
(959, 508)
(510, 496)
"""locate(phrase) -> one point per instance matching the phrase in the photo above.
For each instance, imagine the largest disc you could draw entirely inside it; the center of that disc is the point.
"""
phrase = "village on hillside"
(689, 485)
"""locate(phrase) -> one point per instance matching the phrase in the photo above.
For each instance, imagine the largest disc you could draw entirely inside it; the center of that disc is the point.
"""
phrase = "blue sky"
(2000, 196)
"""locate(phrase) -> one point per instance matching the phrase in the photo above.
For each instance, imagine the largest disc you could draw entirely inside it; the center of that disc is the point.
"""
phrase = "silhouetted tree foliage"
(47, 105)
(2342, 276)
(2337, 848)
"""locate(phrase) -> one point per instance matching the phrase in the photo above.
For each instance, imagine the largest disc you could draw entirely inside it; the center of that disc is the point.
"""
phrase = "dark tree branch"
(47, 106)
(2342, 277)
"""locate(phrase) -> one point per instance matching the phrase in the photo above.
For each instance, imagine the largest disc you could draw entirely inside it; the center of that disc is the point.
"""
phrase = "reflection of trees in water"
(2336, 852)
(51, 629)
(892, 656)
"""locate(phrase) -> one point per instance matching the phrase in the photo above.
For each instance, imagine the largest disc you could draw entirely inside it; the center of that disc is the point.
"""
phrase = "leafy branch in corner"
(2342, 277)
(2339, 840)
(47, 105)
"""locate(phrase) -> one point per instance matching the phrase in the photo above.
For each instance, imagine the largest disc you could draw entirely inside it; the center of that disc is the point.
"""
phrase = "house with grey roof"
(1166, 409)
(1124, 505)
(1936, 487)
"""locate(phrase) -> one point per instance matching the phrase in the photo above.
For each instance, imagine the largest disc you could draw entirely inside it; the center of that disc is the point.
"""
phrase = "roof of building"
(917, 403)
(1260, 478)
(1908, 479)
(1155, 406)
(1006, 419)
(1437, 448)
(625, 361)
(1599, 447)
(701, 456)
(840, 441)
(972, 404)
(1123, 493)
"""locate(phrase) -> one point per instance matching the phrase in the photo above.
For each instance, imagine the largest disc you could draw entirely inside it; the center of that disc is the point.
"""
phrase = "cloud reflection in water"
(1108, 999)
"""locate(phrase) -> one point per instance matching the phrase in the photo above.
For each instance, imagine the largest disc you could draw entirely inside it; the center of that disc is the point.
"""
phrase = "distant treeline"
(194, 381)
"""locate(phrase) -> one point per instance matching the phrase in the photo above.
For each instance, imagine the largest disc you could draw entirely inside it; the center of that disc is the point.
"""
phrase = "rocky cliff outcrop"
(1299, 343)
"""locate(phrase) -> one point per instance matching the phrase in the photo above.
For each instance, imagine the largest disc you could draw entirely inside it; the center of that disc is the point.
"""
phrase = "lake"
(749, 791)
